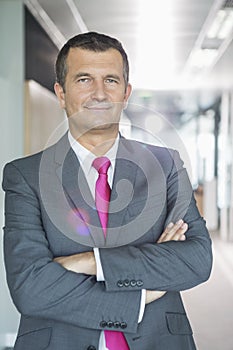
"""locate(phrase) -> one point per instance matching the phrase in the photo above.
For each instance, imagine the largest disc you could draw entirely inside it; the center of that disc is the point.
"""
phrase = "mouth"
(99, 107)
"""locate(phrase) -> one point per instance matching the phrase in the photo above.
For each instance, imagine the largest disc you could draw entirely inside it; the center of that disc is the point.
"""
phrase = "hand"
(152, 295)
(79, 263)
(173, 232)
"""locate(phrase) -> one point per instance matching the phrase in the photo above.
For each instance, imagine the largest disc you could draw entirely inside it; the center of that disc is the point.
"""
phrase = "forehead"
(85, 59)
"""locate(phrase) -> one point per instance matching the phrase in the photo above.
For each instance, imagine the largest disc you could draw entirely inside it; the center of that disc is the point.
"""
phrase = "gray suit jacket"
(50, 212)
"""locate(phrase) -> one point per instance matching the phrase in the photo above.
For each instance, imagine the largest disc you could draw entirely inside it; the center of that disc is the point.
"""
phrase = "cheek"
(70, 99)
(63, 103)
(76, 97)
(74, 103)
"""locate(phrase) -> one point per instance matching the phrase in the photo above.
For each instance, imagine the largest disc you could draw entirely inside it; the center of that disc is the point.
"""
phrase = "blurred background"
(181, 60)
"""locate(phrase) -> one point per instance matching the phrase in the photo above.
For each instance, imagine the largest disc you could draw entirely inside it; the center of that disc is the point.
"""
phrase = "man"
(90, 271)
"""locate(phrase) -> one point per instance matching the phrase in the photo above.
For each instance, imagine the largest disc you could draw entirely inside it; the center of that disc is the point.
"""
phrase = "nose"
(99, 92)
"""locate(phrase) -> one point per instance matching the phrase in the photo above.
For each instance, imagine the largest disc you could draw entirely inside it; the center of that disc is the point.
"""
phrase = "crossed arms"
(42, 287)
(85, 262)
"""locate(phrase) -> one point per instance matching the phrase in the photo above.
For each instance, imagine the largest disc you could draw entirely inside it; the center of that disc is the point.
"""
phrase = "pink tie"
(102, 190)
(114, 340)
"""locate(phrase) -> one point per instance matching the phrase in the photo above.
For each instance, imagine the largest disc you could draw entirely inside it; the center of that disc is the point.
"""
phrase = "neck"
(97, 143)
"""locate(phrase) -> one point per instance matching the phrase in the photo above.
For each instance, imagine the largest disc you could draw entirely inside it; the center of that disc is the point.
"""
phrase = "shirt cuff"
(99, 270)
(142, 305)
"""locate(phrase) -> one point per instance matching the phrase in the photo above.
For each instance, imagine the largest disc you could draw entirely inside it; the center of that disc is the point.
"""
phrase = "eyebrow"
(81, 74)
(84, 74)
(114, 76)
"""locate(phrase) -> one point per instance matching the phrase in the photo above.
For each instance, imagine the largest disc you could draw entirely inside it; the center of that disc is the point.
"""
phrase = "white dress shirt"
(86, 158)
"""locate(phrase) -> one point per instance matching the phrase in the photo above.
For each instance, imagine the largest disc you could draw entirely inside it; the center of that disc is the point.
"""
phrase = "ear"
(127, 94)
(60, 94)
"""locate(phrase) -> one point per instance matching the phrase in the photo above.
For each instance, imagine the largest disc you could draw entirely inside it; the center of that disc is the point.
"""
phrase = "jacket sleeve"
(42, 288)
(168, 266)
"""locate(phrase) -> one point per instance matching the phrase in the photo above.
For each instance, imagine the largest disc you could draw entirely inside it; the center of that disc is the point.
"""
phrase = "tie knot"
(101, 164)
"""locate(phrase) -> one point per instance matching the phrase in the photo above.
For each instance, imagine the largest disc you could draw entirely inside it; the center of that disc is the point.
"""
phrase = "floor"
(210, 306)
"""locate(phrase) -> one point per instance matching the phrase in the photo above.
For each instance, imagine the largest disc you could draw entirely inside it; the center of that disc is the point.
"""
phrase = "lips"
(99, 106)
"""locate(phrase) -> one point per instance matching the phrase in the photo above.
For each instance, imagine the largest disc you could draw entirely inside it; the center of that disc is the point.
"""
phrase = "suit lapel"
(136, 167)
(138, 194)
(78, 193)
(122, 190)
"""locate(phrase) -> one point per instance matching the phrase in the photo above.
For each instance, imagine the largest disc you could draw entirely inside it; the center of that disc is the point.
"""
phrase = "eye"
(83, 80)
(111, 81)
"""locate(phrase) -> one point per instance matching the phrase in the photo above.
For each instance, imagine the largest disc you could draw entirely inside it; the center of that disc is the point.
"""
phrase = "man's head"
(92, 83)
(90, 41)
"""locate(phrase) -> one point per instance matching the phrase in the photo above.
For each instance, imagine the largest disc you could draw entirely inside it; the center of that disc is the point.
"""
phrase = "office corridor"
(180, 54)
(210, 306)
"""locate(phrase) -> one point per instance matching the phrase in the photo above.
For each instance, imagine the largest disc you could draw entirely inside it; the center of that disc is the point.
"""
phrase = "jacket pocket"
(37, 339)
(178, 323)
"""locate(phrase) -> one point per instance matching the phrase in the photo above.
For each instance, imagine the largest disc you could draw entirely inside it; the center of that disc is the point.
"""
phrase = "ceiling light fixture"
(227, 25)
(155, 44)
(203, 58)
(216, 25)
(213, 40)
(222, 24)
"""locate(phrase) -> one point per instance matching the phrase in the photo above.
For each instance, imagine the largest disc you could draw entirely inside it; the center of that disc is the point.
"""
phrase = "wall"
(45, 121)
(40, 53)
(11, 125)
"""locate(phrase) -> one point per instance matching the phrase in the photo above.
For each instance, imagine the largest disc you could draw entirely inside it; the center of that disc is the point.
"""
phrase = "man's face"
(95, 91)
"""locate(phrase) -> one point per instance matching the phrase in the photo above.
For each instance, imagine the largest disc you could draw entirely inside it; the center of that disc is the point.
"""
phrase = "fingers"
(152, 295)
(174, 232)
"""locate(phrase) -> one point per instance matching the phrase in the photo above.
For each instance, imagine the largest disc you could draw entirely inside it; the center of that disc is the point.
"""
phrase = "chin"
(103, 123)
(106, 126)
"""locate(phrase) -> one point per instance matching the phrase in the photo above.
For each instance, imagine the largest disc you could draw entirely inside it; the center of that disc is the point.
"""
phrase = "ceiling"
(159, 36)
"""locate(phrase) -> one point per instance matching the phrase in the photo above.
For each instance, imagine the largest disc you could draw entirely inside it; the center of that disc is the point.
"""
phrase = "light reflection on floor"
(210, 306)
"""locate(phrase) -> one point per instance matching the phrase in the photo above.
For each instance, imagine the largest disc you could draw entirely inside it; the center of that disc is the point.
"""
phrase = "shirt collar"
(86, 157)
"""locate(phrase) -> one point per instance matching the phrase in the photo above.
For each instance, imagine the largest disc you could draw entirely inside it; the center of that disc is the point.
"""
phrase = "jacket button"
(133, 283)
(120, 283)
(139, 283)
(126, 283)
(110, 324)
(116, 324)
(103, 324)
(123, 325)
(91, 347)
